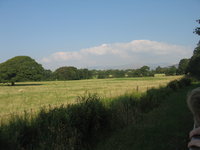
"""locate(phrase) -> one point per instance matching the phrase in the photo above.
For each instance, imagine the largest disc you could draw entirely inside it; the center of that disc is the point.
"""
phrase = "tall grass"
(79, 126)
(165, 127)
(71, 127)
(33, 95)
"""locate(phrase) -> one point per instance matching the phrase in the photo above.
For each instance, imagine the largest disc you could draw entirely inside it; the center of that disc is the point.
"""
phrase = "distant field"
(33, 95)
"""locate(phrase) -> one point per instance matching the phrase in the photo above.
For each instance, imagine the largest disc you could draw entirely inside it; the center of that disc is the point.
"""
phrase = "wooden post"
(1, 120)
(31, 114)
(137, 88)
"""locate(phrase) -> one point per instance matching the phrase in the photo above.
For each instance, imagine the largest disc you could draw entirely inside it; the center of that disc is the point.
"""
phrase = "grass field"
(33, 95)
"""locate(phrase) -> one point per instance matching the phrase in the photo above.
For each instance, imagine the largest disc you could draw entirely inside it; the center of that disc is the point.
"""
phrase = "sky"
(105, 33)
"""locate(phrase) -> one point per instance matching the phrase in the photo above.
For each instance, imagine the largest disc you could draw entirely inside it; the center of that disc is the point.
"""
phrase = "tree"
(145, 70)
(183, 65)
(171, 71)
(66, 73)
(159, 70)
(102, 74)
(47, 75)
(197, 30)
(20, 68)
(194, 63)
(84, 74)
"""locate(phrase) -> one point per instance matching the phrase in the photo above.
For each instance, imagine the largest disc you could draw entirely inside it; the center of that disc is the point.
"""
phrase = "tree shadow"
(36, 84)
(19, 84)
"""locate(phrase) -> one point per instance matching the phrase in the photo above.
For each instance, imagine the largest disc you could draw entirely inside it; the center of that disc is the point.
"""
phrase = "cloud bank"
(141, 52)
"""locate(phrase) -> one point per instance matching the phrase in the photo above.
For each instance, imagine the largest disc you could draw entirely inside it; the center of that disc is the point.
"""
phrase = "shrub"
(177, 84)
(174, 85)
(186, 81)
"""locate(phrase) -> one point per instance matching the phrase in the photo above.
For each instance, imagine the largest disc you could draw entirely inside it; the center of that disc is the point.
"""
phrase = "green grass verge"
(164, 128)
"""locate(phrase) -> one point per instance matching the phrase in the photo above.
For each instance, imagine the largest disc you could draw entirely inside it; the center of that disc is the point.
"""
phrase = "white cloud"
(62, 56)
(137, 51)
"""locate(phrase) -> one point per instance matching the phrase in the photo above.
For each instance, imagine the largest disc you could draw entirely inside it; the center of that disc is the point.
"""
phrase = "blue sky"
(86, 33)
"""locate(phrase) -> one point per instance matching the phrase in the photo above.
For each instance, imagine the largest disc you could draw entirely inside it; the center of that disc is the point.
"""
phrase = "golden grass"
(33, 95)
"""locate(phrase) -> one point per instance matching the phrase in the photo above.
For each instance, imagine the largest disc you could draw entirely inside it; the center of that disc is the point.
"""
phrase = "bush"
(177, 84)
(186, 81)
(174, 85)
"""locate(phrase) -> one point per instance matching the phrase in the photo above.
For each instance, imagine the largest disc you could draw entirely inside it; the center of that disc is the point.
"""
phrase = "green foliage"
(84, 74)
(24, 68)
(124, 110)
(177, 84)
(197, 30)
(102, 75)
(183, 65)
(47, 75)
(173, 85)
(185, 82)
(144, 71)
(193, 67)
(153, 98)
(169, 71)
(20, 68)
(71, 73)
(66, 73)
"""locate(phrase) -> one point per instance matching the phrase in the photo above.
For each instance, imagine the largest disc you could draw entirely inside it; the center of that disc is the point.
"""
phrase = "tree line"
(24, 68)
(143, 71)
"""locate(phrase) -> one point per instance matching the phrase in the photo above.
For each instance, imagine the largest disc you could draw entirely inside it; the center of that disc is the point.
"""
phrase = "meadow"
(31, 96)
(97, 123)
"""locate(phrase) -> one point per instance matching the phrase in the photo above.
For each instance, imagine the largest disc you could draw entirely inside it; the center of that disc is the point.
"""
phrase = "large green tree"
(145, 70)
(20, 68)
(183, 65)
(66, 73)
(194, 64)
(169, 71)
(47, 75)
